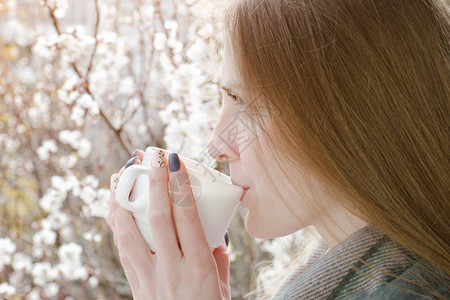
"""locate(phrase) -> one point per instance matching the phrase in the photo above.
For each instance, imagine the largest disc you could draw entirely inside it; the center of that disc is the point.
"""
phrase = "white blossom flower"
(68, 93)
(90, 180)
(147, 10)
(7, 248)
(51, 289)
(87, 102)
(58, 182)
(103, 195)
(71, 83)
(72, 271)
(70, 137)
(43, 272)
(171, 25)
(127, 86)
(37, 251)
(75, 45)
(88, 194)
(92, 236)
(73, 184)
(88, 236)
(160, 39)
(46, 46)
(68, 161)
(93, 282)
(34, 294)
(76, 141)
(52, 200)
(196, 51)
(7, 290)
(41, 100)
(84, 148)
(99, 208)
(70, 253)
(60, 8)
(48, 147)
(97, 238)
(66, 96)
(175, 45)
(78, 115)
(55, 220)
(66, 233)
(21, 261)
(44, 237)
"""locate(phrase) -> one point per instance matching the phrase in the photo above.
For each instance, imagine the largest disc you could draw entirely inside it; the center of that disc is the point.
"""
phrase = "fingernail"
(226, 238)
(129, 162)
(174, 162)
(158, 159)
(134, 153)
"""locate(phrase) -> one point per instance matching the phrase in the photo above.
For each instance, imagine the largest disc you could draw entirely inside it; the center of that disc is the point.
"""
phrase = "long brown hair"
(357, 93)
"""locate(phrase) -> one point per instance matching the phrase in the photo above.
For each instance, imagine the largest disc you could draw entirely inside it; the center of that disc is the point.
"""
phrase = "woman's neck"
(341, 227)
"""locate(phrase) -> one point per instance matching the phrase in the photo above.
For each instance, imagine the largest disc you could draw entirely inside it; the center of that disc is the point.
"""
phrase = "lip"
(243, 194)
(242, 186)
(246, 188)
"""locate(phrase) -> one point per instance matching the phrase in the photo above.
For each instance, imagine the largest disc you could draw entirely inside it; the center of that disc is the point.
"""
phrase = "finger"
(222, 259)
(140, 154)
(128, 163)
(131, 161)
(190, 231)
(130, 273)
(131, 243)
(160, 214)
(112, 203)
(121, 171)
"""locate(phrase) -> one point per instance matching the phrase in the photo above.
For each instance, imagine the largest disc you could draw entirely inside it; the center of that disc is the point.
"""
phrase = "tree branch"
(85, 78)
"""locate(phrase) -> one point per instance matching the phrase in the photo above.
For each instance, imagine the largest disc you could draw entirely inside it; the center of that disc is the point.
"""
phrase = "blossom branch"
(85, 79)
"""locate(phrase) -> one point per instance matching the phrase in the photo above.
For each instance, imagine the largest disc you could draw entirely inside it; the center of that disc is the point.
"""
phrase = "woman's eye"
(232, 96)
(237, 100)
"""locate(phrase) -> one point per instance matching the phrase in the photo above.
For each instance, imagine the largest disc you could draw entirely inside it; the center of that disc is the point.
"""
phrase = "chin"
(260, 229)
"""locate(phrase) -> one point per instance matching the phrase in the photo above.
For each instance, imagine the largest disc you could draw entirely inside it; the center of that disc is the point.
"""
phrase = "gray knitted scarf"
(325, 275)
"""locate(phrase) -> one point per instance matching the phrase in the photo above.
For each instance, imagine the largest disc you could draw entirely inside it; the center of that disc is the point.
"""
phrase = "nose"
(221, 145)
(219, 149)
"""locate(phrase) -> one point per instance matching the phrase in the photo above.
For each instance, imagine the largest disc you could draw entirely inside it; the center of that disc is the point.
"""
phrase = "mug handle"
(123, 190)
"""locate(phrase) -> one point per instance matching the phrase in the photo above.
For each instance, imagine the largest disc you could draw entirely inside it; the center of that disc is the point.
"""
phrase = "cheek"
(249, 163)
(261, 187)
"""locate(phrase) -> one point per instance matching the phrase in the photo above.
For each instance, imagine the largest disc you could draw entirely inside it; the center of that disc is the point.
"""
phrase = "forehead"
(228, 72)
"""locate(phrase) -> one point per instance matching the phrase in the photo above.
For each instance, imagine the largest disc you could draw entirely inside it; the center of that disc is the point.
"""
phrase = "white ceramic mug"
(216, 197)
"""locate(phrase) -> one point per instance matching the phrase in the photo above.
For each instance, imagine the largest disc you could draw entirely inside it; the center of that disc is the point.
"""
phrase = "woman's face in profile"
(268, 215)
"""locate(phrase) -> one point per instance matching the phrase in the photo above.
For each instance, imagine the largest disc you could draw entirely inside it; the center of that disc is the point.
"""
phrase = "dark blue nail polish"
(174, 162)
(227, 239)
(129, 162)
(134, 153)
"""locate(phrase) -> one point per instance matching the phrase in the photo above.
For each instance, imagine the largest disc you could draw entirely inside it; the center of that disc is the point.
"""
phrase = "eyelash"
(233, 96)
(236, 100)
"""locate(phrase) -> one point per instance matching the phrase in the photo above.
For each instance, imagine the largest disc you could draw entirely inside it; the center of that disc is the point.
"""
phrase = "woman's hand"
(183, 266)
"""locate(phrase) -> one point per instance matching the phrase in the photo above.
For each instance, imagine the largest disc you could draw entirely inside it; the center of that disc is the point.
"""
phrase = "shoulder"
(402, 288)
(360, 270)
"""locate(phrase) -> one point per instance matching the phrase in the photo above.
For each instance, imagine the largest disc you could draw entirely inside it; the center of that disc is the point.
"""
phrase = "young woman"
(343, 106)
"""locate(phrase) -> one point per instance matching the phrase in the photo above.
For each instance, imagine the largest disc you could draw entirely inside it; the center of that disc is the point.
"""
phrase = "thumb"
(222, 259)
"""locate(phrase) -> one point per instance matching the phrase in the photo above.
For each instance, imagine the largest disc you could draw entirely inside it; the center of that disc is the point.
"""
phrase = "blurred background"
(82, 84)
